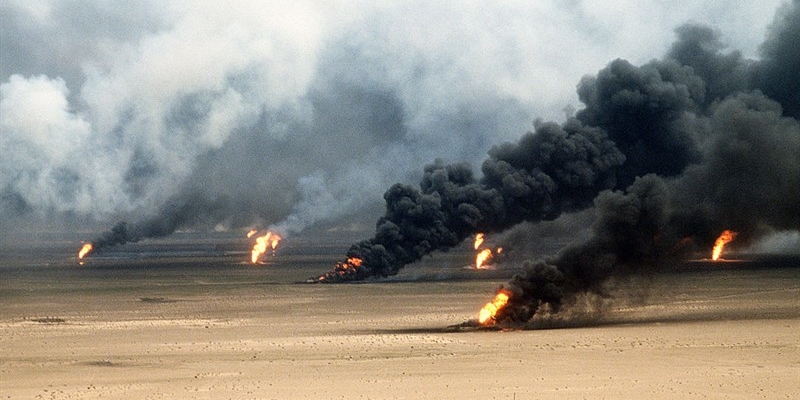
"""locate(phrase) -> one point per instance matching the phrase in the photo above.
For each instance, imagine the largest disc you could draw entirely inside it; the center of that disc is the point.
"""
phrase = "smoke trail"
(694, 118)
(177, 212)
(552, 170)
(290, 114)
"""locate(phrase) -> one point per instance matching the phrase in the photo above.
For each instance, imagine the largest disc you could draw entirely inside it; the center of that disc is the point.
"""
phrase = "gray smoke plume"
(697, 145)
(207, 115)
(179, 115)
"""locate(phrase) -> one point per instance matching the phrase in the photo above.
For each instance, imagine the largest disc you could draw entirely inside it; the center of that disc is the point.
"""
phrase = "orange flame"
(723, 239)
(84, 250)
(478, 241)
(481, 258)
(251, 233)
(486, 317)
(355, 261)
(342, 268)
(268, 241)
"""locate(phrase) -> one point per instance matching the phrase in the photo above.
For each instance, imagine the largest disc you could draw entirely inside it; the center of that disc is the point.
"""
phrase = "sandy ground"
(730, 334)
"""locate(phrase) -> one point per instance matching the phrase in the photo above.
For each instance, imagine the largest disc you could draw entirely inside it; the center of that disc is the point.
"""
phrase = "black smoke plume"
(658, 220)
(693, 144)
(626, 237)
(179, 211)
(552, 170)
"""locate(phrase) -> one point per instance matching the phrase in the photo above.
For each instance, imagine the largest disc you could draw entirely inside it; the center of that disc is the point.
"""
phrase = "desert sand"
(729, 333)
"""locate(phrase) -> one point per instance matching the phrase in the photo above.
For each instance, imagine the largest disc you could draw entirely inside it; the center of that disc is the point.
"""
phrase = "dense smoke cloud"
(697, 145)
(658, 220)
(778, 75)
(549, 171)
(292, 113)
(747, 180)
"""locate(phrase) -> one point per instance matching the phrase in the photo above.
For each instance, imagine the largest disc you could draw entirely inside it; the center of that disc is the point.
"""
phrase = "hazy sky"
(292, 113)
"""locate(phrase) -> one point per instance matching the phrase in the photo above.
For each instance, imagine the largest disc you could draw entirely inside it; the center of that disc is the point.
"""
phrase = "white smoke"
(48, 142)
(164, 100)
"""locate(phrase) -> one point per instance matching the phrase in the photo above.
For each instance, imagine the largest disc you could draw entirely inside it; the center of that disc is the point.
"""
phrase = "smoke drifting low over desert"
(691, 145)
(175, 115)
(399, 199)
(295, 116)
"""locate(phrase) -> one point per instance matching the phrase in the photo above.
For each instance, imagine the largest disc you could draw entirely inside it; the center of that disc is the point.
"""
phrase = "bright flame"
(251, 233)
(487, 314)
(481, 258)
(355, 261)
(268, 241)
(723, 239)
(478, 241)
(84, 250)
(349, 267)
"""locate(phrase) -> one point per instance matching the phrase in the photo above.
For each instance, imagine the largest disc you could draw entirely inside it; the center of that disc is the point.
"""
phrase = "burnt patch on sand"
(48, 320)
(465, 327)
(157, 300)
(101, 363)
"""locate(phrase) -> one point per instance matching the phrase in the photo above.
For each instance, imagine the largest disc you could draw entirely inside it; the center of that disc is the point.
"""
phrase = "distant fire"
(487, 315)
(251, 233)
(726, 237)
(484, 255)
(481, 258)
(356, 262)
(263, 243)
(349, 267)
(478, 241)
(84, 250)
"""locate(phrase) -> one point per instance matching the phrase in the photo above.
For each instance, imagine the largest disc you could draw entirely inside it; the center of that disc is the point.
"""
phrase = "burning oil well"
(659, 220)
(552, 170)
(670, 154)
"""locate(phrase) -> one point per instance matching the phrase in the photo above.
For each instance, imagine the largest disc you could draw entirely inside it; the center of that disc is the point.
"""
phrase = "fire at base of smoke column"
(724, 238)
(487, 315)
(719, 247)
(485, 256)
(84, 251)
(342, 271)
(268, 241)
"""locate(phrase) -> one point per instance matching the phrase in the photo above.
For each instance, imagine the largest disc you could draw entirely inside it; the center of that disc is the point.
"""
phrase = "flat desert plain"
(202, 330)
